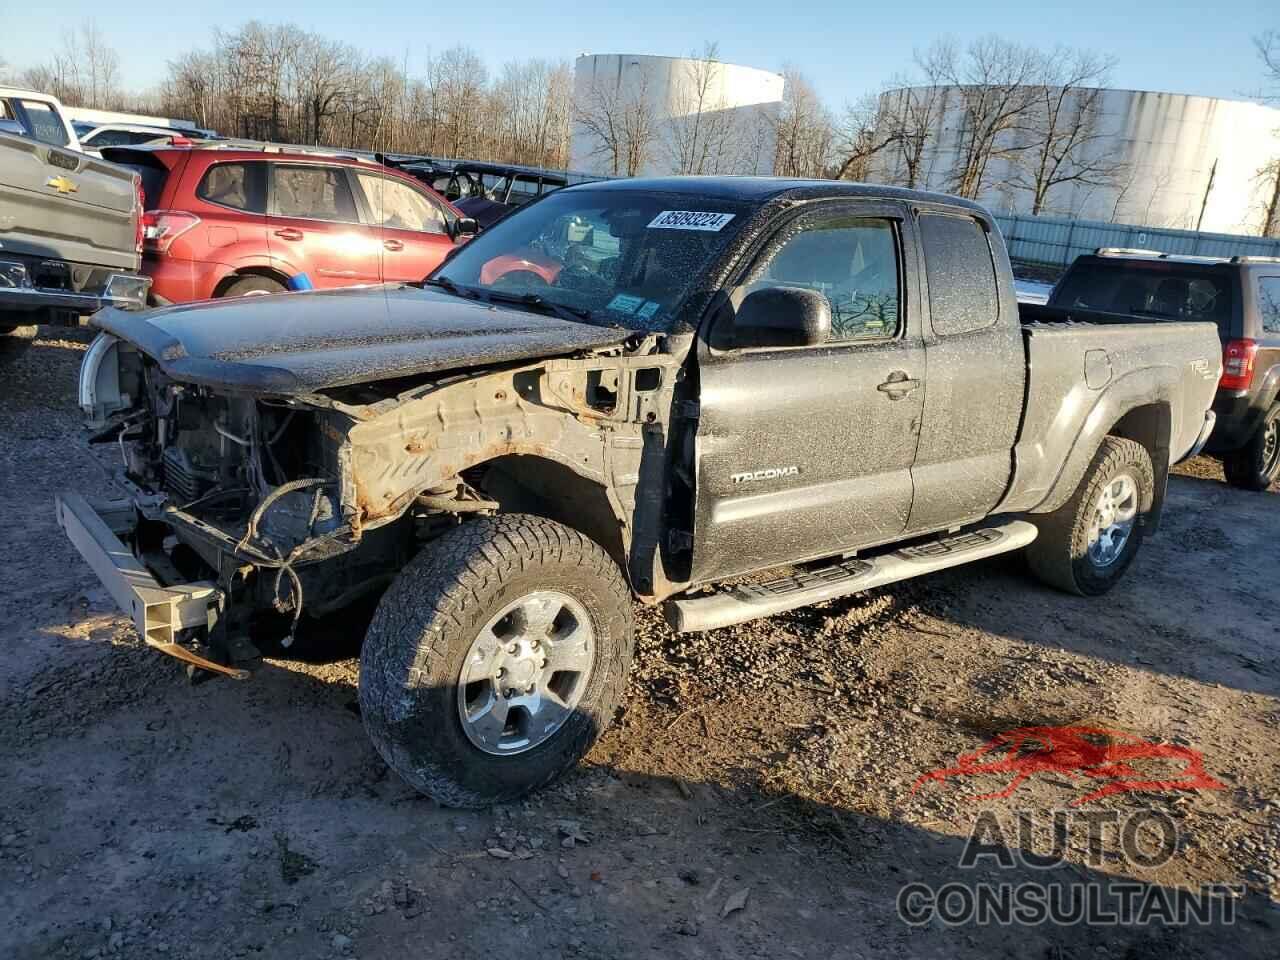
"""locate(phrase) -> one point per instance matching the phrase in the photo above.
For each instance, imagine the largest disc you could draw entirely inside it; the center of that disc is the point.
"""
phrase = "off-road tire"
(1248, 468)
(425, 623)
(253, 286)
(1059, 555)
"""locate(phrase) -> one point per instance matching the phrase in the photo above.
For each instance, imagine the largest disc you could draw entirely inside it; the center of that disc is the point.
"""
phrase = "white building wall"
(737, 107)
(1168, 143)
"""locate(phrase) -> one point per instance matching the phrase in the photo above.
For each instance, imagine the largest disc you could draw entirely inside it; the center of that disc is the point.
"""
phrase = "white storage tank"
(649, 116)
(1173, 155)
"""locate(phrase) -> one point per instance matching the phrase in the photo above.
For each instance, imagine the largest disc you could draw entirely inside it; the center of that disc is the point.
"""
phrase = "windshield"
(1164, 291)
(628, 258)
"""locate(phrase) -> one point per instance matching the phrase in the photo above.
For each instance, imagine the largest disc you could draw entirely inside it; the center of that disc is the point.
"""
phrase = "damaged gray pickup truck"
(734, 396)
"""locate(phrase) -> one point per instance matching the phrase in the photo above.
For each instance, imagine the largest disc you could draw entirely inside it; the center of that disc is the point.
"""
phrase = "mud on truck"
(730, 396)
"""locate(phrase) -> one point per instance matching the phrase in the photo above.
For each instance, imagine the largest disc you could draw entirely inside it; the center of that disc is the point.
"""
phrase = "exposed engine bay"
(307, 503)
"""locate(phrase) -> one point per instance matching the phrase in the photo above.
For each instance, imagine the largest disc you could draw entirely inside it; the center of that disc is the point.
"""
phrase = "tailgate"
(65, 205)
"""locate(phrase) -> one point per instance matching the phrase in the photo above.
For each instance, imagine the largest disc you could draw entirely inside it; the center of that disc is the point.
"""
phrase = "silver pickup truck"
(70, 223)
(733, 396)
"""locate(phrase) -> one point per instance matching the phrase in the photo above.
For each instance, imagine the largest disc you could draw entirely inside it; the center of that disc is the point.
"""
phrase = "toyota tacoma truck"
(730, 396)
(1240, 296)
(71, 226)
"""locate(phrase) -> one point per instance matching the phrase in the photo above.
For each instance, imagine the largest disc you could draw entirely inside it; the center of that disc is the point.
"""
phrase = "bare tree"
(804, 132)
(325, 73)
(619, 118)
(702, 134)
(1268, 46)
(284, 83)
(1269, 179)
(1064, 142)
(1159, 181)
(101, 67)
(861, 135)
(996, 82)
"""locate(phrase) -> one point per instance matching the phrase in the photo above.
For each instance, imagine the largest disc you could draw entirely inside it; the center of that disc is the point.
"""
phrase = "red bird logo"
(1093, 752)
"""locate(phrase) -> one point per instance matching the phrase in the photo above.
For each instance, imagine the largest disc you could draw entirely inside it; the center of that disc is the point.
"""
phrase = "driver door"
(806, 452)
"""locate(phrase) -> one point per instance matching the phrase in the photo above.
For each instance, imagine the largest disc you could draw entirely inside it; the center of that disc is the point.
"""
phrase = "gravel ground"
(754, 799)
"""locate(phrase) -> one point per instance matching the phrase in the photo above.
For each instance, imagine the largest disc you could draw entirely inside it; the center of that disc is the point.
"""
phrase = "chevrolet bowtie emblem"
(62, 184)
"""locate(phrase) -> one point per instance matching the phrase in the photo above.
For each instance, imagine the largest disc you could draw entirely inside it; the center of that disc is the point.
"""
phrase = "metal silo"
(669, 115)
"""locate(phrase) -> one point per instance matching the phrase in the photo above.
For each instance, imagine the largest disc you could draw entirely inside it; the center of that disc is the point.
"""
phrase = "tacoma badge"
(773, 473)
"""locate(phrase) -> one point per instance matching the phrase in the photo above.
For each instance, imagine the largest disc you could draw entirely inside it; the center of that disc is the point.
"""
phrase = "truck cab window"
(853, 262)
(962, 275)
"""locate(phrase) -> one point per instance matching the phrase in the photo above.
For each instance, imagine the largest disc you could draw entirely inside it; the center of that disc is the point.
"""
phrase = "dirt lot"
(774, 762)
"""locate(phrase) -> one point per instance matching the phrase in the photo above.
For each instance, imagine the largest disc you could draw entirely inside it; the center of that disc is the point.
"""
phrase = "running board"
(750, 601)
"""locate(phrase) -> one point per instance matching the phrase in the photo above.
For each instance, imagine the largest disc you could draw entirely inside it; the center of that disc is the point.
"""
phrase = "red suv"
(228, 223)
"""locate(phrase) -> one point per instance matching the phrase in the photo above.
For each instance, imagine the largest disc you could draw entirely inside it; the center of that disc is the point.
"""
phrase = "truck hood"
(301, 343)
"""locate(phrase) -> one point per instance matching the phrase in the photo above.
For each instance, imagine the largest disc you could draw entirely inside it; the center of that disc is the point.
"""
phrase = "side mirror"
(12, 126)
(782, 317)
(465, 227)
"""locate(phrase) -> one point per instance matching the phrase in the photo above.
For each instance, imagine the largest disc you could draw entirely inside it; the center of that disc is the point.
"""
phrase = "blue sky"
(844, 47)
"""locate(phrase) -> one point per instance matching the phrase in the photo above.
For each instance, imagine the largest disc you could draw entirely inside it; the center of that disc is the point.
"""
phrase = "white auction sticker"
(690, 220)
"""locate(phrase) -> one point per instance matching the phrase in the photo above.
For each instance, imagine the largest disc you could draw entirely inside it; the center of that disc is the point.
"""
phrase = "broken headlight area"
(240, 491)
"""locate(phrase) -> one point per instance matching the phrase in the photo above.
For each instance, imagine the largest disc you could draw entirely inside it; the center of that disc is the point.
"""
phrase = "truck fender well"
(530, 483)
(1137, 406)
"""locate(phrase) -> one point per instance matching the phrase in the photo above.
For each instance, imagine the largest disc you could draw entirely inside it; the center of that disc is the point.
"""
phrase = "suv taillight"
(139, 206)
(162, 227)
(1237, 364)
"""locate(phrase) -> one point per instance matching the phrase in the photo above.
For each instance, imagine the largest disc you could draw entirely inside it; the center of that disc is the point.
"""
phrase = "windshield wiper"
(571, 314)
(447, 285)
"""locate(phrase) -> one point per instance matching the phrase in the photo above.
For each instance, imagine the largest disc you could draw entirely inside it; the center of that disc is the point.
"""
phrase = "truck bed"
(1083, 370)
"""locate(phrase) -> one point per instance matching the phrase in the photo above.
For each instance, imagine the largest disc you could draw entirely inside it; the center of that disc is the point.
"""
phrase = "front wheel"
(496, 659)
(1085, 546)
(1256, 465)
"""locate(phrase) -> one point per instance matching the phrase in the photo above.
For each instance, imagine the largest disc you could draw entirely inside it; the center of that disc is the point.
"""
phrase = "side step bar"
(752, 600)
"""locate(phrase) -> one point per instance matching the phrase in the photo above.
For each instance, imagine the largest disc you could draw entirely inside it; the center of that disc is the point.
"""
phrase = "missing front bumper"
(159, 613)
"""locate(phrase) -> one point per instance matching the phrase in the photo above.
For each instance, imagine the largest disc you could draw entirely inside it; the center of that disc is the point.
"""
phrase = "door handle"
(393, 245)
(898, 385)
(289, 233)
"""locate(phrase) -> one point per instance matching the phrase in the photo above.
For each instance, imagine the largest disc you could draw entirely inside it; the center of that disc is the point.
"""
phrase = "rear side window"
(239, 186)
(962, 275)
(1160, 291)
(312, 193)
(151, 170)
(46, 125)
(1269, 303)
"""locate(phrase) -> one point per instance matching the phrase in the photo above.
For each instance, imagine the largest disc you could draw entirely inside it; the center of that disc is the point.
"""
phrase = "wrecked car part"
(160, 614)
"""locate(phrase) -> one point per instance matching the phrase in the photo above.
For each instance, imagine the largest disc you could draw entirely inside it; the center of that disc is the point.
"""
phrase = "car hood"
(300, 343)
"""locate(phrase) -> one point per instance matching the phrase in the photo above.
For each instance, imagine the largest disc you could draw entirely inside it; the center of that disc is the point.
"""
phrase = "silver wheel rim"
(1270, 447)
(525, 673)
(1114, 514)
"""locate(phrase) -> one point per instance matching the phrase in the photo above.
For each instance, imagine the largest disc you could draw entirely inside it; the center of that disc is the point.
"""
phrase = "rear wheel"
(253, 287)
(495, 659)
(1256, 465)
(1085, 546)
